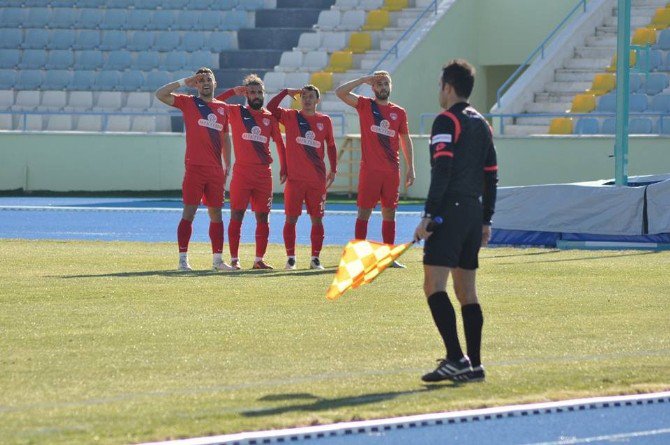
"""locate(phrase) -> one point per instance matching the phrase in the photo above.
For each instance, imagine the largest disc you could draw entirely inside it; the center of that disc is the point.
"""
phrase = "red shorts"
(251, 183)
(203, 182)
(376, 185)
(313, 194)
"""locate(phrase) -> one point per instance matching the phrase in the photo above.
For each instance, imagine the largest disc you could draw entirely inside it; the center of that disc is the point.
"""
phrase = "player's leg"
(368, 195)
(261, 203)
(292, 209)
(240, 194)
(262, 235)
(192, 191)
(315, 199)
(389, 198)
(213, 199)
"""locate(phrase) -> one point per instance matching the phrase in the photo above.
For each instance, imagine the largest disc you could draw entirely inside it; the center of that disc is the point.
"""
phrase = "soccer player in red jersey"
(207, 143)
(383, 131)
(252, 127)
(307, 134)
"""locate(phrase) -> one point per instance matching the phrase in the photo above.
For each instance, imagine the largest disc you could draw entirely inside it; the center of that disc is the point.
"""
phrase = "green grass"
(105, 343)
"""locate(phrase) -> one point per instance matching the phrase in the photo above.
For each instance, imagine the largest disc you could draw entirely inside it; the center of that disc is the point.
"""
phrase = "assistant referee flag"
(362, 261)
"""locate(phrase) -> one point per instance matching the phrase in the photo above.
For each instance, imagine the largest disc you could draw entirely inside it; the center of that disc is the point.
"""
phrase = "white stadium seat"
(118, 122)
(309, 41)
(328, 20)
(54, 100)
(369, 5)
(274, 81)
(6, 121)
(345, 5)
(290, 61)
(143, 124)
(7, 98)
(138, 101)
(296, 80)
(59, 122)
(334, 41)
(27, 100)
(109, 100)
(89, 122)
(315, 60)
(352, 20)
(80, 101)
(33, 122)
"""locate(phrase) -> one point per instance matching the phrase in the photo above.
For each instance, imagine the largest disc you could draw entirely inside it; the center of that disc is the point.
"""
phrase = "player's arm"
(281, 151)
(331, 150)
(273, 105)
(166, 93)
(490, 192)
(240, 90)
(344, 91)
(408, 153)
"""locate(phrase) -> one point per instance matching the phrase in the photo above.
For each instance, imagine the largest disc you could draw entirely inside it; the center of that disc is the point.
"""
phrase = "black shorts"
(456, 242)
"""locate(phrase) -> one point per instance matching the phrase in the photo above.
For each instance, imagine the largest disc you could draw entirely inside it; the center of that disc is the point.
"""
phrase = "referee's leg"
(473, 319)
(444, 316)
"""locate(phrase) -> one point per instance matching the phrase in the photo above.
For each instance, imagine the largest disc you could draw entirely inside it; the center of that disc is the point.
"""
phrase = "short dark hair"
(310, 87)
(253, 79)
(205, 70)
(460, 75)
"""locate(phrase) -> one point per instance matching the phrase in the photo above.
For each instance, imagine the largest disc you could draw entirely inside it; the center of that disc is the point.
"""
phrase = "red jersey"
(381, 127)
(206, 123)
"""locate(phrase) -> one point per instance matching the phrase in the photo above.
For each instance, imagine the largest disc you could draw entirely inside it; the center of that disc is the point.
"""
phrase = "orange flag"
(362, 261)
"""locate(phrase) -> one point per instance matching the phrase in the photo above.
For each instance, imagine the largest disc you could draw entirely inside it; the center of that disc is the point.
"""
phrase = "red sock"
(317, 238)
(184, 230)
(262, 234)
(289, 238)
(234, 237)
(388, 232)
(216, 236)
(361, 229)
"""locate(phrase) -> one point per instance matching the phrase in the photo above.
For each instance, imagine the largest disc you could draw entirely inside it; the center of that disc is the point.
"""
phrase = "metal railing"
(539, 50)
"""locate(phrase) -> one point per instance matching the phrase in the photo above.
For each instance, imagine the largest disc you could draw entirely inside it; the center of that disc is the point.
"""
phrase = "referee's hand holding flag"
(426, 227)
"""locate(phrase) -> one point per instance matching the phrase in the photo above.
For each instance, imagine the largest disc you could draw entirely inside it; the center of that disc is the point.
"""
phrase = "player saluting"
(383, 130)
(307, 133)
(252, 127)
(207, 142)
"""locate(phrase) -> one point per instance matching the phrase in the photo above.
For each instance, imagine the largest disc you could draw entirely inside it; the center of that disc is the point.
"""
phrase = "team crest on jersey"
(383, 128)
(394, 116)
(220, 110)
(320, 126)
(210, 122)
(266, 121)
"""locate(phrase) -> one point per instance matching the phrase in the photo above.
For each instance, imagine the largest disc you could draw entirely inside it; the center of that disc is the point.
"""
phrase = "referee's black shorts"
(456, 242)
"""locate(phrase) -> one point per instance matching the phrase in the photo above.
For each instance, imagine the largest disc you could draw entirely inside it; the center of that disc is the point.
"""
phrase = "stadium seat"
(328, 19)
(640, 125)
(635, 82)
(583, 103)
(132, 81)
(663, 42)
(631, 61)
(53, 100)
(663, 125)
(62, 18)
(650, 62)
(323, 80)
(290, 61)
(344, 5)
(198, 59)
(274, 81)
(139, 20)
(147, 61)
(223, 5)
(109, 101)
(118, 60)
(90, 18)
(9, 58)
(138, 101)
(250, 5)
(340, 62)
(7, 98)
(643, 36)
(353, 20)
(309, 41)
(315, 60)
(113, 40)
(606, 103)
(603, 83)
(87, 39)
(143, 124)
(119, 3)
(27, 100)
(59, 122)
(29, 79)
(117, 123)
(141, 41)
(8, 79)
(6, 121)
(82, 79)
(36, 39)
(587, 125)
(33, 59)
(560, 125)
(176, 60)
(661, 19)
(360, 42)
(208, 21)
(79, 101)
(333, 41)
(37, 18)
(174, 4)
(89, 122)
(193, 41)
(637, 103)
(32, 122)
(395, 5)
(63, 3)
(166, 40)
(62, 39)
(13, 17)
(221, 41)
(369, 5)
(609, 126)
(656, 83)
(234, 20)
(88, 60)
(57, 79)
(297, 79)
(162, 21)
(59, 59)
(115, 19)
(107, 80)
(660, 103)
(377, 20)
(157, 79)
(10, 38)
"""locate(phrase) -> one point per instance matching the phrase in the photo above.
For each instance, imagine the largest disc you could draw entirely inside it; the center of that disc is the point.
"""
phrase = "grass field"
(105, 343)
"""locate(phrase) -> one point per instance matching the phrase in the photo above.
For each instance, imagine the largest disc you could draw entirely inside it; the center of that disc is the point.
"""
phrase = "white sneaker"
(397, 265)
(290, 264)
(222, 266)
(184, 266)
(315, 264)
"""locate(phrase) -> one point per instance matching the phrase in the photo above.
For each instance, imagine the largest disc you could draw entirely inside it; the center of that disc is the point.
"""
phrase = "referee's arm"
(442, 156)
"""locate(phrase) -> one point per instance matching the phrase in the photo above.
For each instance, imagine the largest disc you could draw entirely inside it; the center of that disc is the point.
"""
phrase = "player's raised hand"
(330, 179)
(370, 80)
(293, 92)
(192, 81)
(282, 177)
(240, 90)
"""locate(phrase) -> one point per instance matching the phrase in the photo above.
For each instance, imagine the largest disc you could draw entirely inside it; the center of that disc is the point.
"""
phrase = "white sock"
(234, 259)
(291, 257)
(183, 257)
(217, 258)
(315, 258)
(258, 259)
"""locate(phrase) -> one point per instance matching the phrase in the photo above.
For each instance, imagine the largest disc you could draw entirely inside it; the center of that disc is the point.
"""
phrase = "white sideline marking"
(609, 437)
(364, 427)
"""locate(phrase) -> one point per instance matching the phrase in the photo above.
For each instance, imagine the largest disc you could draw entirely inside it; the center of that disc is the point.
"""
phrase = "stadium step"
(595, 64)
(287, 18)
(567, 87)
(269, 38)
(290, 4)
(554, 97)
(574, 75)
(230, 77)
(250, 58)
(548, 107)
(595, 52)
(608, 41)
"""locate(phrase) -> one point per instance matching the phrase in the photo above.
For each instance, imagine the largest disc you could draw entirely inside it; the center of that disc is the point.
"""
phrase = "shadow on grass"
(320, 404)
(202, 273)
(565, 260)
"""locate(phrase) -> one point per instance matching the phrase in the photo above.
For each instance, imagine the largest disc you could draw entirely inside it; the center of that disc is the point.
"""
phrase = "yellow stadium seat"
(631, 62)
(395, 5)
(360, 42)
(644, 36)
(583, 103)
(603, 83)
(661, 19)
(377, 20)
(340, 62)
(561, 125)
(323, 80)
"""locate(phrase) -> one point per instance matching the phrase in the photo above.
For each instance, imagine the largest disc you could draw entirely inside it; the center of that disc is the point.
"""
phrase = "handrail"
(539, 49)
(394, 47)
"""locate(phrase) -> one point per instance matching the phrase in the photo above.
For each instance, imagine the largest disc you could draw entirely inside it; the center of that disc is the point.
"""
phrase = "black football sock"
(473, 321)
(445, 320)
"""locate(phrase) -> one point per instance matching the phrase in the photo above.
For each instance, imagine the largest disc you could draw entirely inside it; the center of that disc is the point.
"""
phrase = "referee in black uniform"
(460, 204)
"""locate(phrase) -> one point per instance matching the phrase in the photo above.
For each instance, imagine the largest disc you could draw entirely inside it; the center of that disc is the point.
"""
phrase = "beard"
(256, 104)
(382, 95)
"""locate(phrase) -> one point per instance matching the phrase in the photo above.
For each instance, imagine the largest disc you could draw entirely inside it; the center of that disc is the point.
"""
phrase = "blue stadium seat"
(637, 103)
(157, 79)
(88, 60)
(9, 58)
(663, 41)
(663, 125)
(166, 40)
(141, 41)
(114, 19)
(234, 20)
(640, 125)
(147, 61)
(107, 80)
(36, 39)
(62, 39)
(208, 21)
(82, 80)
(660, 103)
(656, 83)
(131, 81)
(90, 3)
(120, 3)
(152, 4)
(222, 5)
(37, 18)
(29, 79)
(10, 38)
(87, 39)
(607, 103)
(13, 17)
(90, 18)
(176, 60)
(63, 3)
(655, 59)
(587, 125)
(193, 41)
(113, 40)
(162, 20)
(33, 59)
(57, 79)
(250, 5)
(8, 79)
(118, 60)
(609, 126)
(636, 82)
(59, 59)
(666, 65)
(199, 59)
(175, 4)
(62, 18)
(221, 41)
(186, 21)
(139, 19)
